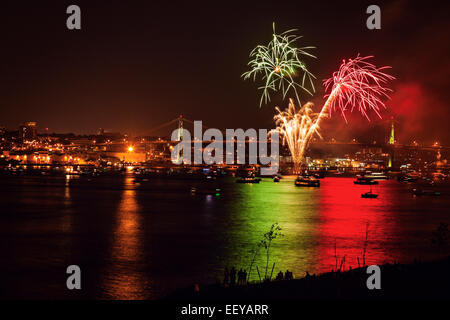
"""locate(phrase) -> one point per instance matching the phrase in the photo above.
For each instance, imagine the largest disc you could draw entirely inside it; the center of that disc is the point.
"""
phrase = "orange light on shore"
(130, 148)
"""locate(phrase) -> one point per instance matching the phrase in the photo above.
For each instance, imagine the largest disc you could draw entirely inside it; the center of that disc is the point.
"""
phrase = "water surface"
(142, 241)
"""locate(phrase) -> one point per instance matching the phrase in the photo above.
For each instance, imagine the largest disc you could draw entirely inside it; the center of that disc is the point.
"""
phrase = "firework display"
(279, 64)
(357, 84)
(295, 127)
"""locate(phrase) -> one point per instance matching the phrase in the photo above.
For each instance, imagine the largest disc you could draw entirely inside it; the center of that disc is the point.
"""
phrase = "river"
(144, 240)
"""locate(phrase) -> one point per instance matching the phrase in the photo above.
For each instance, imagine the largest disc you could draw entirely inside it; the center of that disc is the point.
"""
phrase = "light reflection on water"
(256, 207)
(344, 219)
(137, 241)
(126, 252)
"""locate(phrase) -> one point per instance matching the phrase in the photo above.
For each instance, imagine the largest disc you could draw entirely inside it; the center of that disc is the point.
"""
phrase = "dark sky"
(137, 64)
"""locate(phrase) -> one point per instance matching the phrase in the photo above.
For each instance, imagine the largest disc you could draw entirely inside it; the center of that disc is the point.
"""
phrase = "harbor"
(156, 236)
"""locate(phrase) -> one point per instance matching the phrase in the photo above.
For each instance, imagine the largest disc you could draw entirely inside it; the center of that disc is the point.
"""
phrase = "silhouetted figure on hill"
(226, 277)
(288, 275)
(240, 277)
(279, 276)
(233, 276)
(244, 275)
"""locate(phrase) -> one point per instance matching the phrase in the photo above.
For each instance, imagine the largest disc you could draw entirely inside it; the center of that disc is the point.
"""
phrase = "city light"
(309, 174)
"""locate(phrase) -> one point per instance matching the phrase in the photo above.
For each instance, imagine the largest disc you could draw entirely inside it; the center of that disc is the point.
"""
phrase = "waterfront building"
(28, 131)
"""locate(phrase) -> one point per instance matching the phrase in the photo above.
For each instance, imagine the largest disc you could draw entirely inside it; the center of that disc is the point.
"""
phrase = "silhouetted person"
(279, 276)
(226, 277)
(288, 275)
(244, 275)
(233, 276)
(241, 277)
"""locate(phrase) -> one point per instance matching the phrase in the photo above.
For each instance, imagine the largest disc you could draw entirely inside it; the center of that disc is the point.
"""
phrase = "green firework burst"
(278, 63)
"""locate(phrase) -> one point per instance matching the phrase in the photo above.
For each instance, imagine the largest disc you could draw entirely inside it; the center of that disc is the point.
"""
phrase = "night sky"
(137, 64)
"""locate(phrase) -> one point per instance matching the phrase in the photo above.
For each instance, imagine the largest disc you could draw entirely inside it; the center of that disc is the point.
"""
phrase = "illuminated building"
(392, 136)
(391, 142)
(28, 131)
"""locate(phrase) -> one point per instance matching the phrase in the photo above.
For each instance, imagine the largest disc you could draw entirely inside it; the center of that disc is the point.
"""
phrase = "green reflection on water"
(256, 207)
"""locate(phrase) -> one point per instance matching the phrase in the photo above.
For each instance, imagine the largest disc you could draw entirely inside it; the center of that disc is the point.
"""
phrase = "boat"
(207, 191)
(319, 175)
(365, 181)
(420, 192)
(302, 181)
(407, 178)
(376, 176)
(314, 174)
(247, 177)
(369, 195)
(248, 180)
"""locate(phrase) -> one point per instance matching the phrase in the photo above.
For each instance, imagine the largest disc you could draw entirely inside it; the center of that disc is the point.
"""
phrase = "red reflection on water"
(344, 216)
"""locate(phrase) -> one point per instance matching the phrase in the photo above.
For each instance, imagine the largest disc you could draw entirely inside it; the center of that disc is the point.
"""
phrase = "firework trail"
(360, 84)
(294, 126)
(278, 63)
(357, 84)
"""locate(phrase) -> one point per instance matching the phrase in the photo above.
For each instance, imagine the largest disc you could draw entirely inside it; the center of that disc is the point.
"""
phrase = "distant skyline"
(135, 65)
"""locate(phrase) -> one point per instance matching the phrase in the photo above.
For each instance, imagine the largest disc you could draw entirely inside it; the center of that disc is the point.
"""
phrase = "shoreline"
(418, 280)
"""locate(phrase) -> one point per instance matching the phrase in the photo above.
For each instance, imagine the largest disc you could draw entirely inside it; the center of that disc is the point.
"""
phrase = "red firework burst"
(357, 84)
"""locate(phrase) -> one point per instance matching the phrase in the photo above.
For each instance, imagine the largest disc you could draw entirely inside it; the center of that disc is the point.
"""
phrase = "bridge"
(178, 124)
